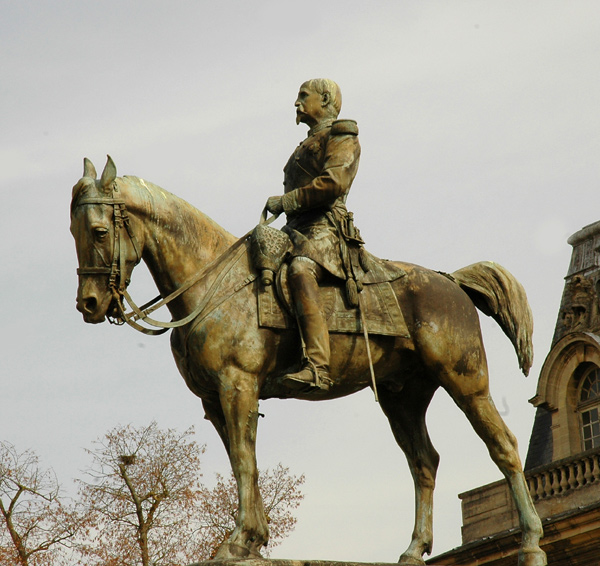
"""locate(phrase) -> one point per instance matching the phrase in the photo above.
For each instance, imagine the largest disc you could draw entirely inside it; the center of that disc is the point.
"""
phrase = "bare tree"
(142, 495)
(36, 523)
(280, 492)
(147, 506)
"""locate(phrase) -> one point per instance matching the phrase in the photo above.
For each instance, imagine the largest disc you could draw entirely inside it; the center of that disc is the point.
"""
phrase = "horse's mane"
(129, 186)
(160, 201)
(150, 199)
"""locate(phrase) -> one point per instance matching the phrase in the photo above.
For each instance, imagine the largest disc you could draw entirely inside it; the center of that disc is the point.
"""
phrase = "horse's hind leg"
(405, 411)
(502, 446)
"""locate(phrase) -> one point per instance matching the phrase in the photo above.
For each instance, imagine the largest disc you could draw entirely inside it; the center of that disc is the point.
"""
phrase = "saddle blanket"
(382, 311)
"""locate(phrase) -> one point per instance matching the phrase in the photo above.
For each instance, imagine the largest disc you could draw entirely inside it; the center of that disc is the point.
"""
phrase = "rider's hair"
(330, 87)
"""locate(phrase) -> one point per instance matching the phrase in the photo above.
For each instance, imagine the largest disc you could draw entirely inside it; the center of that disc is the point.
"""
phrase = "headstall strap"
(114, 270)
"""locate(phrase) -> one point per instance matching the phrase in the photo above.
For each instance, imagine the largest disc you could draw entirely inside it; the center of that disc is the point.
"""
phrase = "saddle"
(269, 249)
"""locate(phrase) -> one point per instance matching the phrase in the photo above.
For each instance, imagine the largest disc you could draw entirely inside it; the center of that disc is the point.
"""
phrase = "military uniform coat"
(317, 179)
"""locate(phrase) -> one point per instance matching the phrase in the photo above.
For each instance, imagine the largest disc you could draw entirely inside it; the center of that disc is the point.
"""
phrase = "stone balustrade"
(555, 488)
(565, 476)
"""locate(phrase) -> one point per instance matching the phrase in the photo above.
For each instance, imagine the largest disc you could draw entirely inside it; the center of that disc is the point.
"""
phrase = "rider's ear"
(325, 99)
(109, 174)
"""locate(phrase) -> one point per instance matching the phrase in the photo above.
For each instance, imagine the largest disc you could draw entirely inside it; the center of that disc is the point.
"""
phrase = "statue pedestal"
(285, 562)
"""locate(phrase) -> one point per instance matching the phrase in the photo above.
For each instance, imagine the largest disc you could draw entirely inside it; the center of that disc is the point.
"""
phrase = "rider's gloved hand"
(274, 205)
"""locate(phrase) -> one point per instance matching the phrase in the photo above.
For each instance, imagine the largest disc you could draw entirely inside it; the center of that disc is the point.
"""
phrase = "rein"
(116, 272)
(142, 314)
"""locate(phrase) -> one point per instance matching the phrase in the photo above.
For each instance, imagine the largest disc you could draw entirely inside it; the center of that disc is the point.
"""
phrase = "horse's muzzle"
(88, 307)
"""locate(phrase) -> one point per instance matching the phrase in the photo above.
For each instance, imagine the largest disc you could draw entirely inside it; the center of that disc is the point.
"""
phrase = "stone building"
(563, 459)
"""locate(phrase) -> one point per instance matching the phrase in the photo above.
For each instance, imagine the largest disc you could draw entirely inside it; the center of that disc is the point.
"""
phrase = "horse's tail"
(496, 293)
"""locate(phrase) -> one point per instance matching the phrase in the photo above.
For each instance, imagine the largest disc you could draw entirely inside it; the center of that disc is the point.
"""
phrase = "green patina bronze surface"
(230, 362)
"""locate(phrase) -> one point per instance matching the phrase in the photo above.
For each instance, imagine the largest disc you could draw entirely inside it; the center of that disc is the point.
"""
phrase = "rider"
(317, 179)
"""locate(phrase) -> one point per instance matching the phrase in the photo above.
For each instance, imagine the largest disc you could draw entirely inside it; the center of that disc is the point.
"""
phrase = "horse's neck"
(179, 240)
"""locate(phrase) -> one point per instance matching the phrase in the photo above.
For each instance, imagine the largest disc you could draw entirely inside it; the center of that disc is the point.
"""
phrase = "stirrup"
(309, 376)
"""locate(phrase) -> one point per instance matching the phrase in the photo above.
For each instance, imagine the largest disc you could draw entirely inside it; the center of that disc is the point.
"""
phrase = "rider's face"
(309, 106)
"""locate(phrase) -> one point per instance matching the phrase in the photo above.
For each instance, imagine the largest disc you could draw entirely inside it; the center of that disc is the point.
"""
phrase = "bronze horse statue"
(230, 362)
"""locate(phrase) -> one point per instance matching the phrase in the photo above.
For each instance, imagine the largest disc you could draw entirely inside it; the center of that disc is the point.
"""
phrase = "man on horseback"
(317, 179)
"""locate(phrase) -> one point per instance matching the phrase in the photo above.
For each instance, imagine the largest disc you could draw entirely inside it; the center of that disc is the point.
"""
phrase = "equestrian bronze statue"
(317, 179)
(236, 327)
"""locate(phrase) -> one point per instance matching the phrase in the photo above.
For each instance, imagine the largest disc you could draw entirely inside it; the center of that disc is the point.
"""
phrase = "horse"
(206, 279)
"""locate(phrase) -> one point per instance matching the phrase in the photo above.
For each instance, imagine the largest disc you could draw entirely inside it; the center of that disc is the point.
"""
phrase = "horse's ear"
(109, 174)
(88, 169)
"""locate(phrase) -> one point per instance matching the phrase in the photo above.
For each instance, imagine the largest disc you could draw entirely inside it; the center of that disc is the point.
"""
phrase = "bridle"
(118, 280)
(116, 270)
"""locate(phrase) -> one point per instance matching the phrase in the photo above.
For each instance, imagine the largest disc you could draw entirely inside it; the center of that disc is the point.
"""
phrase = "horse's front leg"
(239, 401)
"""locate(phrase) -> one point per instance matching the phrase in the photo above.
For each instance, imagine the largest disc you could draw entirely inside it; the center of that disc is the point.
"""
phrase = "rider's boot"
(314, 372)
(315, 369)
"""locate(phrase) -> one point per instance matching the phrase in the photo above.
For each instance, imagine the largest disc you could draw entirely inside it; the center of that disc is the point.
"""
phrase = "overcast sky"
(480, 132)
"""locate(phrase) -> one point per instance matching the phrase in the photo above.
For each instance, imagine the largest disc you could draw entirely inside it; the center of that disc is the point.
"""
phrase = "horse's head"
(107, 250)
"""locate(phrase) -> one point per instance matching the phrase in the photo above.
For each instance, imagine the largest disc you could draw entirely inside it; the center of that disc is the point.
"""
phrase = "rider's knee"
(303, 266)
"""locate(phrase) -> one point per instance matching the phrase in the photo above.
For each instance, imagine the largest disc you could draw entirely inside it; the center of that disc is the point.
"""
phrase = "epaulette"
(344, 127)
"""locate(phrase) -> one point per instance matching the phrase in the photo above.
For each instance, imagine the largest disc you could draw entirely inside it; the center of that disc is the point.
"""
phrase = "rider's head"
(318, 100)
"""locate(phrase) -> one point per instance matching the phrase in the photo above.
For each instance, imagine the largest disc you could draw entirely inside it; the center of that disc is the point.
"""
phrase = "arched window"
(589, 407)
(568, 397)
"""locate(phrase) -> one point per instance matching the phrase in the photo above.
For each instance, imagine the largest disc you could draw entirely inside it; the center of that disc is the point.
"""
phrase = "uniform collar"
(319, 127)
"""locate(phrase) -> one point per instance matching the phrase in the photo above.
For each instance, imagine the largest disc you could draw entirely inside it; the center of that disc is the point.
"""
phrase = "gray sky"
(480, 131)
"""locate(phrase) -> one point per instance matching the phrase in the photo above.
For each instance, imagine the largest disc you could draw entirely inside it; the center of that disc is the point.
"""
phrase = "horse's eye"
(100, 233)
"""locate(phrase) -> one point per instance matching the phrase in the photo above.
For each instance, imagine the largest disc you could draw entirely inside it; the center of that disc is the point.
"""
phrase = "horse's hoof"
(406, 560)
(532, 558)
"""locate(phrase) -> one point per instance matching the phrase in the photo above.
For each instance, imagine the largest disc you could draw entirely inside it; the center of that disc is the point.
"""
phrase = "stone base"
(284, 562)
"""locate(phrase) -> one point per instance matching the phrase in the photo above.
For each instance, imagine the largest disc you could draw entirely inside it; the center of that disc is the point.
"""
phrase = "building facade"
(563, 459)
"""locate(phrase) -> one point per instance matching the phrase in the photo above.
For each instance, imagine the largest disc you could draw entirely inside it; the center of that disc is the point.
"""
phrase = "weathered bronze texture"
(206, 278)
(317, 180)
(231, 363)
